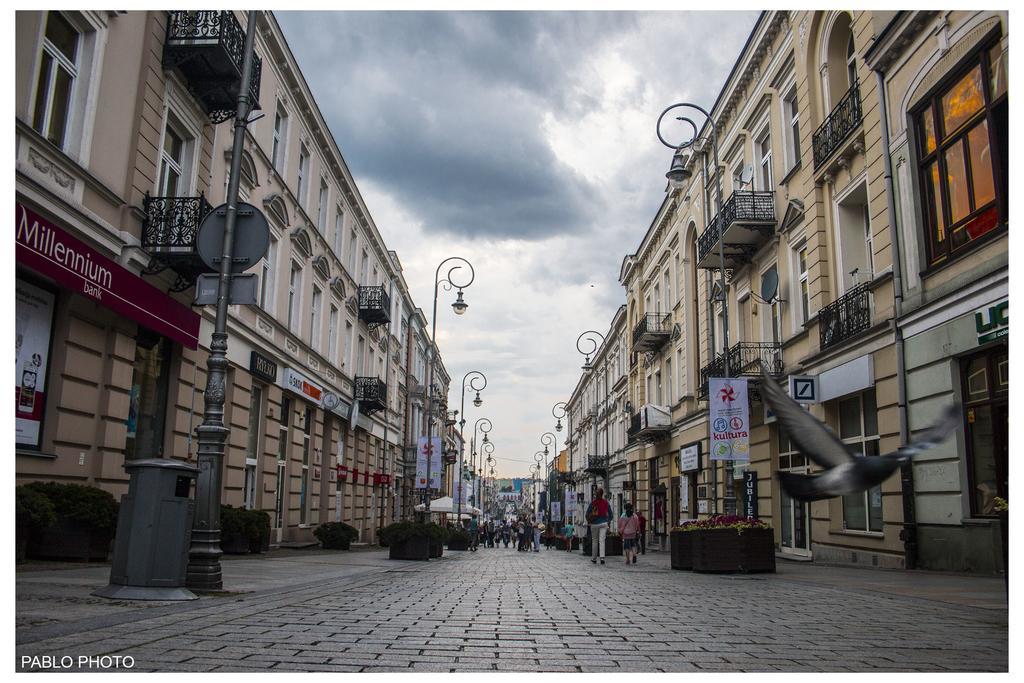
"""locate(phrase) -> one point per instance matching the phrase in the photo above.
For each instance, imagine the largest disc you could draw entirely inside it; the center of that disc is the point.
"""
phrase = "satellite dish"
(746, 175)
(769, 285)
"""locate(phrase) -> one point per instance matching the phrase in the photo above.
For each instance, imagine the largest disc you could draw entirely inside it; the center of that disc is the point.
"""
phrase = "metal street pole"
(475, 375)
(204, 571)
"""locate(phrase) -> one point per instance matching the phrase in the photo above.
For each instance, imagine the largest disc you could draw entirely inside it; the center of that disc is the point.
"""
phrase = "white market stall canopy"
(445, 505)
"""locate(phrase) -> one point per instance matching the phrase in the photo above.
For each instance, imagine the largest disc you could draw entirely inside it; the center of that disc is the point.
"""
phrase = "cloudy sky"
(524, 142)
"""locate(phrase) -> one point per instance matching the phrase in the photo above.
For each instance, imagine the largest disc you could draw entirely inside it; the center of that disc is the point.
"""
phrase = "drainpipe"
(909, 533)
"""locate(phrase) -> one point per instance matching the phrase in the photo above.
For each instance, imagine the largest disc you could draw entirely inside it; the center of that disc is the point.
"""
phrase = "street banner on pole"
(434, 450)
(570, 504)
(556, 511)
(729, 417)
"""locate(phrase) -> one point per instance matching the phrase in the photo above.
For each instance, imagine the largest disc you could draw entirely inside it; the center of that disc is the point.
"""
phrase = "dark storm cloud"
(445, 110)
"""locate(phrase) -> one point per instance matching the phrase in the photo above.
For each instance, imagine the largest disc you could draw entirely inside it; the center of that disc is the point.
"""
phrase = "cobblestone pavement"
(499, 610)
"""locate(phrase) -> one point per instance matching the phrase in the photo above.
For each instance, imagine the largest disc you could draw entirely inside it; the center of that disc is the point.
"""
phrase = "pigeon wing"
(947, 423)
(803, 487)
(811, 437)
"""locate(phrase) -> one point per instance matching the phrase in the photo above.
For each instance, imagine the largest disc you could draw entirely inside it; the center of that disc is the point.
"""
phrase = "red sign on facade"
(48, 250)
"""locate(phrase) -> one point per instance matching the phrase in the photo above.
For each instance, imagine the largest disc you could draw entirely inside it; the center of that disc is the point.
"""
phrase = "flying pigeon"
(845, 473)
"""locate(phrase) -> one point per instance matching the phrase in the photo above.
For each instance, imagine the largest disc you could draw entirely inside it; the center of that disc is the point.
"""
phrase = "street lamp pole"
(472, 376)
(459, 306)
(204, 553)
(587, 366)
(548, 439)
(473, 451)
(677, 176)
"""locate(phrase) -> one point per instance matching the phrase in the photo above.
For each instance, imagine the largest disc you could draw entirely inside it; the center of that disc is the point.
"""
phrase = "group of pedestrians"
(631, 527)
(523, 533)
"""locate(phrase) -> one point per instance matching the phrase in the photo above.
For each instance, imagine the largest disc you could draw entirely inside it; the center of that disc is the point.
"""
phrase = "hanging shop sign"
(50, 251)
(729, 416)
(316, 474)
(433, 449)
(33, 325)
(262, 367)
(750, 493)
(302, 386)
(342, 472)
(629, 486)
(689, 457)
(993, 321)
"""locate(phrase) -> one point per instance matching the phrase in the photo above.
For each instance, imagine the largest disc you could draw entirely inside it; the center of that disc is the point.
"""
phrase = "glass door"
(282, 461)
(795, 516)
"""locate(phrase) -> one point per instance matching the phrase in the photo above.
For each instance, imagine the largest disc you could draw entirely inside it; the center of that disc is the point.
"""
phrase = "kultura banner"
(729, 415)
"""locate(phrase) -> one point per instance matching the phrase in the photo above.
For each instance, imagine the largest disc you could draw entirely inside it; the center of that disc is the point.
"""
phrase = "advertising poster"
(556, 511)
(33, 320)
(729, 416)
(433, 450)
(684, 497)
(570, 504)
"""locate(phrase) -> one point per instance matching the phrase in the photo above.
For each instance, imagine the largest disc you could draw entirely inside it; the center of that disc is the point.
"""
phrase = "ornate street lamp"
(473, 376)
(678, 176)
(459, 307)
(588, 336)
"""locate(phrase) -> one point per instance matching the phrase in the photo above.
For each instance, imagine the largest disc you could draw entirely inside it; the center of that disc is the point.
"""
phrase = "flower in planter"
(1001, 504)
(737, 522)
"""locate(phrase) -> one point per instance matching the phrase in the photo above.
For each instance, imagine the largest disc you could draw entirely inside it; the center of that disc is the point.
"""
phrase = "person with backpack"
(629, 527)
(599, 514)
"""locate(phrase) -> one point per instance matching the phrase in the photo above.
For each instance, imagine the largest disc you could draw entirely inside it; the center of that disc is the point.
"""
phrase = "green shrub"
(335, 535)
(32, 510)
(87, 505)
(235, 522)
(258, 526)
(399, 532)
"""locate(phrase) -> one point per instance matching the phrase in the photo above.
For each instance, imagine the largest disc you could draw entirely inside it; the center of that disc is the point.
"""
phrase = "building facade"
(120, 155)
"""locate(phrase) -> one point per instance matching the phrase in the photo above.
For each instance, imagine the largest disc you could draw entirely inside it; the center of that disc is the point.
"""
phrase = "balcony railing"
(170, 225)
(846, 317)
(208, 47)
(372, 394)
(597, 464)
(747, 219)
(837, 126)
(651, 332)
(745, 360)
(374, 305)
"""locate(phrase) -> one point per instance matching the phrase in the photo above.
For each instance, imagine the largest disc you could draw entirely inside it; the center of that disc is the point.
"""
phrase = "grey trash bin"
(154, 529)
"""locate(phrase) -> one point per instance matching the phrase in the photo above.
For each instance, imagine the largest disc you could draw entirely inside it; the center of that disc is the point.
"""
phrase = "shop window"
(307, 444)
(858, 429)
(58, 71)
(33, 331)
(147, 408)
(282, 461)
(986, 392)
(962, 145)
(252, 446)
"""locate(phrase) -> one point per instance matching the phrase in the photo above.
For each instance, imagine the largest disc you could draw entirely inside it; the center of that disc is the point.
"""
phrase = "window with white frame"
(764, 161)
(314, 318)
(669, 395)
(801, 278)
(175, 153)
(303, 179)
(267, 277)
(332, 335)
(252, 446)
(791, 117)
(280, 136)
(666, 291)
(353, 242)
(294, 294)
(364, 268)
(339, 226)
(58, 73)
(321, 219)
(858, 429)
(346, 352)
(679, 370)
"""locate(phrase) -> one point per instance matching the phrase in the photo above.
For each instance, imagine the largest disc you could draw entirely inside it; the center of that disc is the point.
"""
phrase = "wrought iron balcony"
(745, 360)
(651, 332)
(650, 423)
(208, 46)
(597, 464)
(846, 317)
(372, 394)
(374, 305)
(747, 220)
(169, 228)
(837, 127)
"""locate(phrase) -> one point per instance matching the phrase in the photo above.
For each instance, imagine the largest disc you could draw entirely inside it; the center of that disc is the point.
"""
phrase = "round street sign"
(252, 237)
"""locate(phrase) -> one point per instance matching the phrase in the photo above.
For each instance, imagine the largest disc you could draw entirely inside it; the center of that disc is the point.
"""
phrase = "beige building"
(119, 157)
(816, 279)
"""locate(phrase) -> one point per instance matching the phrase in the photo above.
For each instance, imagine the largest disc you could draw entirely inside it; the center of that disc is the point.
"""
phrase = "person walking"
(599, 514)
(629, 527)
(474, 530)
(538, 528)
(521, 535)
(506, 532)
(570, 531)
(642, 536)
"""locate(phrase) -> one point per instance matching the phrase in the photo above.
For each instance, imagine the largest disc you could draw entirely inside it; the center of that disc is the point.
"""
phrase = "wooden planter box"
(681, 547)
(727, 550)
(69, 540)
(415, 548)
(436, 550)
(458, 544)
